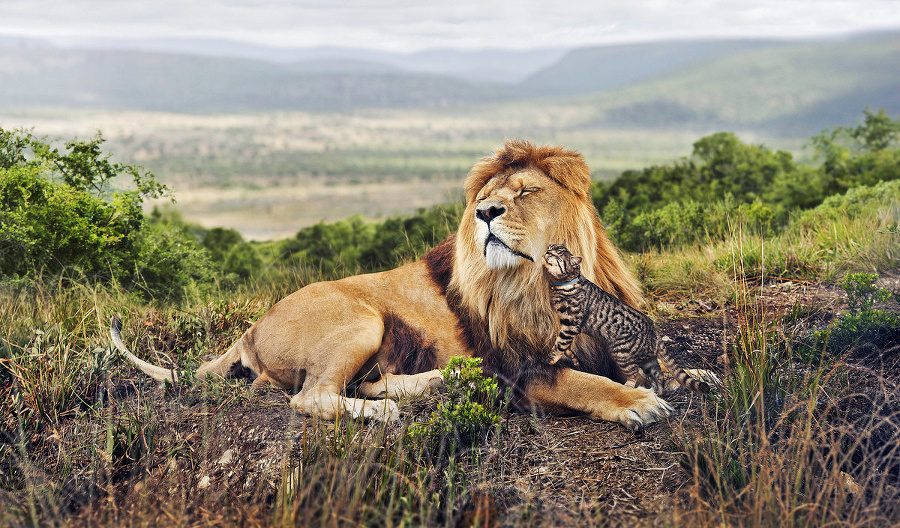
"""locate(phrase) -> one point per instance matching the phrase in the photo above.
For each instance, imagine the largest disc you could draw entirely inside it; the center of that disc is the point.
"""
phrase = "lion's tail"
(155, 372)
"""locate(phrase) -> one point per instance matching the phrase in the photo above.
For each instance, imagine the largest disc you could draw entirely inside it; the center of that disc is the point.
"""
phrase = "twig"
(628, 443)
(653, 469)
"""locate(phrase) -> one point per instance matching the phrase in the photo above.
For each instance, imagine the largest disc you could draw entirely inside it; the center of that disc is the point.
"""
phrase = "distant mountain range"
(795, 87)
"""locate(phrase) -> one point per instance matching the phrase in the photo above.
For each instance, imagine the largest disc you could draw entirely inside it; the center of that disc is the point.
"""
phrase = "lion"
(481, 292)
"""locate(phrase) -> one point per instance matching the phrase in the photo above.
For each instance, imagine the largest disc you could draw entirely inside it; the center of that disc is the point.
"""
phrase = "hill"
(183, 83)
(795, 88)
(605, 68)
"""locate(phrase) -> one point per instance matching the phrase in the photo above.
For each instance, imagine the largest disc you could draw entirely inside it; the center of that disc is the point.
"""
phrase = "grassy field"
(269, 174)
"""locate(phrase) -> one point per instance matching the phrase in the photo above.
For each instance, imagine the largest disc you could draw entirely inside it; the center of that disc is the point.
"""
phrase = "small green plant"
(472, 409)
(861, 324)
(862, 293)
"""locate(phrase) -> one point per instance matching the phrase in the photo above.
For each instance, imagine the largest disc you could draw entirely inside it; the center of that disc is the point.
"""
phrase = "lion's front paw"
(642, 408)
(381, 410)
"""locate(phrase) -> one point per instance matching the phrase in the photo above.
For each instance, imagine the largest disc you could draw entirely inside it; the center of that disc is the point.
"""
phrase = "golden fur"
(482, 292)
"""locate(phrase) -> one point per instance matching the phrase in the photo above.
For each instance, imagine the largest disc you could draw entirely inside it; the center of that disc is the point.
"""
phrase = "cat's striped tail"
(681, 375)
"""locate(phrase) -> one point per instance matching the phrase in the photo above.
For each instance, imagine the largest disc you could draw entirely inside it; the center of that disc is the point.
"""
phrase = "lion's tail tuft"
(155, 372)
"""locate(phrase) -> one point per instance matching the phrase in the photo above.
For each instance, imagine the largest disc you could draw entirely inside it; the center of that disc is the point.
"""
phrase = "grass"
(821, 245)
(783, 447)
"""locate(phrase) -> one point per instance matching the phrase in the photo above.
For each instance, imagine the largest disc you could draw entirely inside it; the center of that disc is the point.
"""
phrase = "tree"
(877, 132)
(862, 155)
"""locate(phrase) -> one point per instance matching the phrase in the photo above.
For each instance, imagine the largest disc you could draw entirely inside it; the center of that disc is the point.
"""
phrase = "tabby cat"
(584, 307)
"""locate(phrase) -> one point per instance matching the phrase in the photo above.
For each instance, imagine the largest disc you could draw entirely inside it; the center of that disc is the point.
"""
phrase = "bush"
(46, 227)
(234, 256)
(354, 245)
(849, 205)
(862, 324)
(685, 223)
(170, 264)
(726, 183)
(861, 155)
(472, 410)
(59, 214)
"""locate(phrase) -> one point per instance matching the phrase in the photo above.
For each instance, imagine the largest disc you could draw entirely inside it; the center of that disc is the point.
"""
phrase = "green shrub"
(354, 245)
(685, 223)
(170, 263)
(726, 183)
(59, 214)
(47, 227)
(862, 324)
(851, 204)
(861, 155)
(862, 293)
(472, 409)
(330, 246)
(228, 249)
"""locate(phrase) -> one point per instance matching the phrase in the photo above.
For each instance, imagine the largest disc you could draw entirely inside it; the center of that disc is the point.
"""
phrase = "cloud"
(412, 24)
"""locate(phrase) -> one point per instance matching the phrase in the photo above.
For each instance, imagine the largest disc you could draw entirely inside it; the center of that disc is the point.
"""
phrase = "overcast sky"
(407, 25)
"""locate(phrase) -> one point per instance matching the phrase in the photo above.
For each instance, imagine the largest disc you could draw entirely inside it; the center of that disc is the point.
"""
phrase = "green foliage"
(399, 239)
(862, 292)
(867, 327)
(849, 205)
(330, 246)
(877, 132)
(726, 184)
(861, 155)
(47, 227)
(690, 222)
(85, 167)
(234, 255)
(472, 410)
(170, 264)
(58, 214)
(862, 324)
(353, 244)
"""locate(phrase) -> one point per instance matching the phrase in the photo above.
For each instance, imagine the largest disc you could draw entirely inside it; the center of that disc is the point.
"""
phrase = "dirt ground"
(553, 470)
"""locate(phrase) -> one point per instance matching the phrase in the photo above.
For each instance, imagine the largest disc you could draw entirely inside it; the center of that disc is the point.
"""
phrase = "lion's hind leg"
(326, 402)
(341, 352)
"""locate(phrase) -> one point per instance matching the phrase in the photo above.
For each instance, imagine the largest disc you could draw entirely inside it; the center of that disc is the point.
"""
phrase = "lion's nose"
(486, 213)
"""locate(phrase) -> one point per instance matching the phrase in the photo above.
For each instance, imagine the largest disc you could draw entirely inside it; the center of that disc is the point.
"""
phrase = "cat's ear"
(576, 261)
